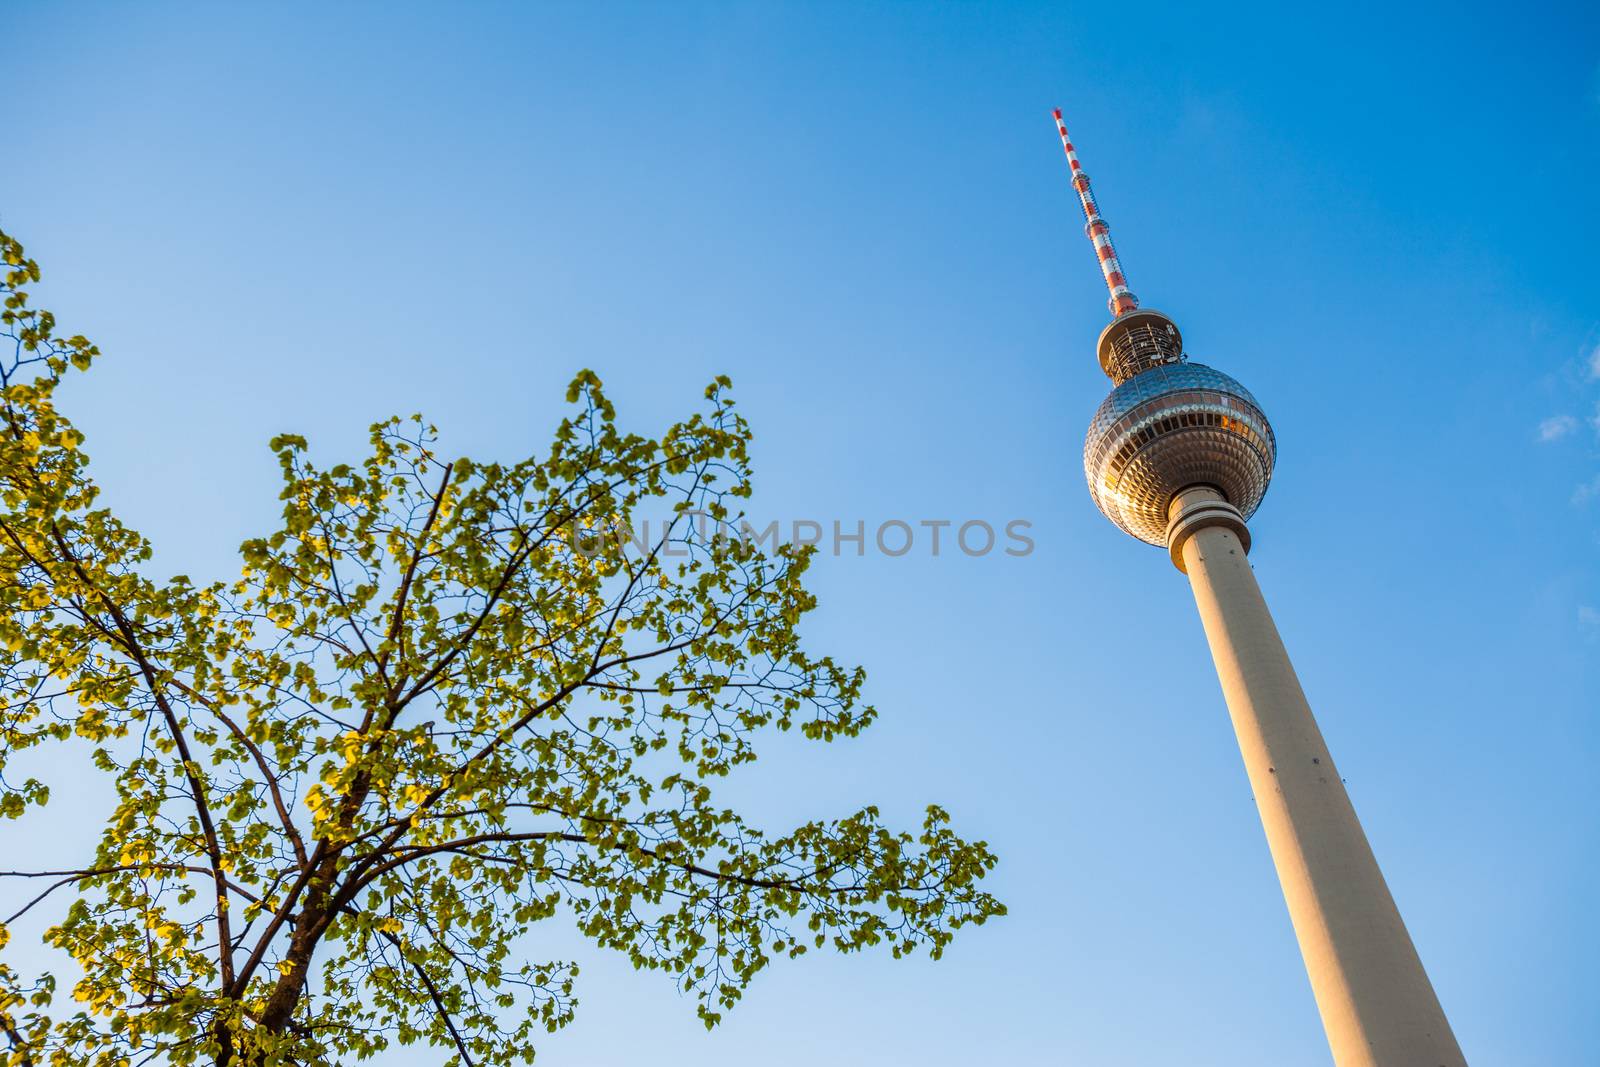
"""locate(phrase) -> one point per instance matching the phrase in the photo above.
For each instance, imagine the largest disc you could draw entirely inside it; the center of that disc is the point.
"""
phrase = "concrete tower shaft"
(1378, 1008)
(1180, 455)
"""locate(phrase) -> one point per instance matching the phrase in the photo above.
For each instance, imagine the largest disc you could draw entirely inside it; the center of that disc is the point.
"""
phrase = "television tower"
(1180, 455)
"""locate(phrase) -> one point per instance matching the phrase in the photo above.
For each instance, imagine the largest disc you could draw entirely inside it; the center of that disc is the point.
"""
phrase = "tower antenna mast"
(1122, 299)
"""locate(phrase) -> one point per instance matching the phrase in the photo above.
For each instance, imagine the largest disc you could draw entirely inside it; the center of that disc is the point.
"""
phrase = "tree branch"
(71, 877)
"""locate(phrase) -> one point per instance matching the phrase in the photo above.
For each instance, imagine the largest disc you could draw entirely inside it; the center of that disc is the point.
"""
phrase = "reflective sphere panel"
(1166, 429)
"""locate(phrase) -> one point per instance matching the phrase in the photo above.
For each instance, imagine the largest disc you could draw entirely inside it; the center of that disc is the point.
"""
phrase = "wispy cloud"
(1587, 491)
(1588, 617)
(1556, 427)
(1592, 362)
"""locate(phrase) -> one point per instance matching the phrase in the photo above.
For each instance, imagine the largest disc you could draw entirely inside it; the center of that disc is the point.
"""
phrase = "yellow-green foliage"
(419, 722)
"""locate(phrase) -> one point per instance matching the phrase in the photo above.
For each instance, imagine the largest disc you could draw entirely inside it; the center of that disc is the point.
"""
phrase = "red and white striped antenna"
(1122, 299)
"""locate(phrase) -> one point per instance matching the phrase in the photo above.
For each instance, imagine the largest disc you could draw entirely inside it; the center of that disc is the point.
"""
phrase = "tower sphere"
(1168, 427)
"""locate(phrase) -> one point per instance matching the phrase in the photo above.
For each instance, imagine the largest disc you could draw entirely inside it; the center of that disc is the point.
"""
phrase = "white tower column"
(1377, 1005)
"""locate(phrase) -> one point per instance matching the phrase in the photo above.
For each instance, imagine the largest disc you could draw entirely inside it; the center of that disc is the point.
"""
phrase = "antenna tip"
(1056, 111)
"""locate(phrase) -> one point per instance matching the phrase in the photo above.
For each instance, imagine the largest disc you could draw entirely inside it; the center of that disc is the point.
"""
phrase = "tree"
(442, 703)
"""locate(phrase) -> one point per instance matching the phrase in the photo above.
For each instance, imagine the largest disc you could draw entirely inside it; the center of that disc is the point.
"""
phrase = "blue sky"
(1380, 218)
